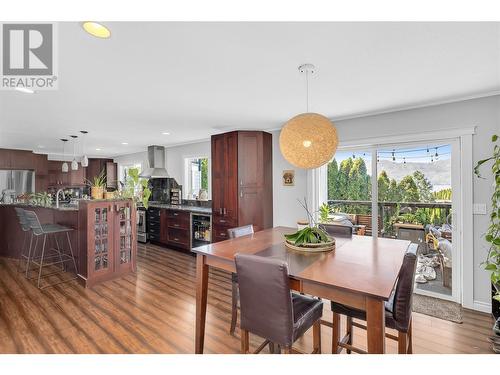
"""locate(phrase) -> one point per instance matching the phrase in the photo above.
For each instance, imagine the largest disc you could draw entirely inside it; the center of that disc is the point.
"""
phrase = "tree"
(343, 178)
(394, 194)
(383, 183)
(204, 173)
(332, 178)
(424, 186)
(408, 189)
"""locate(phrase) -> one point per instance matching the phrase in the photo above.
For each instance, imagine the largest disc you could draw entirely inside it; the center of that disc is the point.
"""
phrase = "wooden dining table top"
(361, 264)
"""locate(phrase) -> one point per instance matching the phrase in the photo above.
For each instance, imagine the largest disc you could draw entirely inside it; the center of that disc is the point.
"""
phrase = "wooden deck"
(153, 312)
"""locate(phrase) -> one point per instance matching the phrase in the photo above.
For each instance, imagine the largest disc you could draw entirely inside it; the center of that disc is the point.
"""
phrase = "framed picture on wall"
(288, 177)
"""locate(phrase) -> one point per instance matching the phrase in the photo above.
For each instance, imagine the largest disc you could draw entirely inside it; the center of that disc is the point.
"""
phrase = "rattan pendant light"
(308, 140)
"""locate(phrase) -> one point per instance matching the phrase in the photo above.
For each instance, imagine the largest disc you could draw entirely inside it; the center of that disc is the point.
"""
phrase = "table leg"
(201, 301)
(375, 323)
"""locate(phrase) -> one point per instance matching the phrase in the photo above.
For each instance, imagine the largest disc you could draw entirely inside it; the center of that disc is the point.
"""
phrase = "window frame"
(186, 175)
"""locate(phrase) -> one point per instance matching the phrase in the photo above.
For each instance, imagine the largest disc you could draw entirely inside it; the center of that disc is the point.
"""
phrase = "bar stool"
(46, 230)
(25, 227)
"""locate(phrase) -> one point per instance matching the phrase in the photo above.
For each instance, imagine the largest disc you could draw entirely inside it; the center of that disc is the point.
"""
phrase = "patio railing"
(436, 213)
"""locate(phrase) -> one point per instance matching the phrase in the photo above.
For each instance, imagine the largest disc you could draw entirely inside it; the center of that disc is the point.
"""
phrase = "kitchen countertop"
(194, 209)
(62, 207)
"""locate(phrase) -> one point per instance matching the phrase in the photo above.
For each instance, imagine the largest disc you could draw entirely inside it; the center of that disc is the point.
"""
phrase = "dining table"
(360, 272)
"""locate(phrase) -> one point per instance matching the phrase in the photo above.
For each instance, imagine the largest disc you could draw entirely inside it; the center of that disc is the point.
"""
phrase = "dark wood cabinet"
(242, 185)
(108, 248)
(58, 178)
(179, 229)
(41, 164)
(105, 166)
(4, 158)
(170, 227)
(17, 159)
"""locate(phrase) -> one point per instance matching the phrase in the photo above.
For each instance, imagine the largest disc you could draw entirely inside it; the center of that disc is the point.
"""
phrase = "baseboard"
(482, 306)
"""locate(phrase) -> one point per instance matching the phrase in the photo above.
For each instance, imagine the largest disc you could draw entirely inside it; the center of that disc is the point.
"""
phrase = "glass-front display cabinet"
(108, 248)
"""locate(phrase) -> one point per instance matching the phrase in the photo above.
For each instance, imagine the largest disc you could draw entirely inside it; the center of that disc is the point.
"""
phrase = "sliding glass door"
(413, 188)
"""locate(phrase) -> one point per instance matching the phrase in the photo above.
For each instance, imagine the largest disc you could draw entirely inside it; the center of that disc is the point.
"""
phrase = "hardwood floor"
(153, 312)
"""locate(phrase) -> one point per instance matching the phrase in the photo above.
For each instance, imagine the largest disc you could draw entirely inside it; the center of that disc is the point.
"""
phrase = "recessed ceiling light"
(25, 90)
(165, 133)
(98, 149)
(96, 29)
(125, 143)
(41, 146)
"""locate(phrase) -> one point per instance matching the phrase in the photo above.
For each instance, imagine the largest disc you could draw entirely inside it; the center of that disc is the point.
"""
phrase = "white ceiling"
(198, 79)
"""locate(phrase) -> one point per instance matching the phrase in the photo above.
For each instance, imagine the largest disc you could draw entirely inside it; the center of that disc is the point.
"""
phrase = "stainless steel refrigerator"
(19, 182)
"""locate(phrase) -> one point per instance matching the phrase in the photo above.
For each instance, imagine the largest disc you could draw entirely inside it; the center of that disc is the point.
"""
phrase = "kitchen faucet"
(57, 197)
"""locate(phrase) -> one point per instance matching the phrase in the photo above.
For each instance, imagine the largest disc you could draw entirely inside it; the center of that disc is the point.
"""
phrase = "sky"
(416, 154)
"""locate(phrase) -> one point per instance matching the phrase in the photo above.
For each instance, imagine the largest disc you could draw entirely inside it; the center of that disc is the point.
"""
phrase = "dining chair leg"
(23, 248)
(410, 340)
(335, 333)
(317, 337)
(234, 307)
(28, 274)
(41, 260)
(402, 343)
(244, 341)
(271, 347)
(349, 332)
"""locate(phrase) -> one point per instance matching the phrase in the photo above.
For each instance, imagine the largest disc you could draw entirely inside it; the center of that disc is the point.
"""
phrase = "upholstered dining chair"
(397, 311)
(233, 233)
(270, 310)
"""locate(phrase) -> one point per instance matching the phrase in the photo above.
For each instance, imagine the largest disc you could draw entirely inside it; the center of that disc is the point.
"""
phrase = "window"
(124, 172)
(196, 177)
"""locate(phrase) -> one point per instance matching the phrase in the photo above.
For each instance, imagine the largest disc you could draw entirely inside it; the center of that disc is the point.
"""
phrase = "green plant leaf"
(494, 138)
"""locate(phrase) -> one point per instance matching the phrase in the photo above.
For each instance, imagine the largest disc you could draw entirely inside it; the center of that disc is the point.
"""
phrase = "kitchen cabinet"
(105, 166)
(241, 181)
(170, 227)
(17, 159)
(4, 158)
(41, 164)
(108, 249)
(179, 229)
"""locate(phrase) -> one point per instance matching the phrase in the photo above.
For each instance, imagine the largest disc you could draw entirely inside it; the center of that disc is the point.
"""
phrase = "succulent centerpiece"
(312, 238)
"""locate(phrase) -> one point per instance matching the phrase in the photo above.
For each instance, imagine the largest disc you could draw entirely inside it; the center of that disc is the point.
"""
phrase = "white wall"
(485, 115)
(177, 154)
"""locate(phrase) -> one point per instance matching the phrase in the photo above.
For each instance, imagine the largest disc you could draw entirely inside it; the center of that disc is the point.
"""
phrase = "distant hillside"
(438, 173)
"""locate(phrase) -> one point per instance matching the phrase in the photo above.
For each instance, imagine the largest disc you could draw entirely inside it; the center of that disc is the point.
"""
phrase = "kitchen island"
(104, 237)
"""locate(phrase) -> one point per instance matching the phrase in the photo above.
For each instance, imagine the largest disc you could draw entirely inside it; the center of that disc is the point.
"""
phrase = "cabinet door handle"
(225, 211)
(220, 211)
(176, 225)
(241, 182)
(222, 221)
(241, 193)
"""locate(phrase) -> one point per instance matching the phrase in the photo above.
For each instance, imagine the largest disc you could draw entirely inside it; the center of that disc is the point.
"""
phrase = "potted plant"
(136, 188)
(492, 262)
(312, 238)
(97, 186)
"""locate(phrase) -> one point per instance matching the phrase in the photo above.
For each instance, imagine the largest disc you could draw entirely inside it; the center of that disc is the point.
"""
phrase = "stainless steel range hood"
(156, 158)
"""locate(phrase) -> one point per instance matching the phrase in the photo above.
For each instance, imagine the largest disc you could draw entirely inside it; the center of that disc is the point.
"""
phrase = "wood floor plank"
(153, 311)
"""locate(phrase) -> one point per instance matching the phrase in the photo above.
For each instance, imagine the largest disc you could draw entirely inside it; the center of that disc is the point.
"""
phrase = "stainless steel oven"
(142, 230)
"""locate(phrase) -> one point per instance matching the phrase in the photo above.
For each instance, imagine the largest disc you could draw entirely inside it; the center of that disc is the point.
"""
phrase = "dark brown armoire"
(242, 181)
